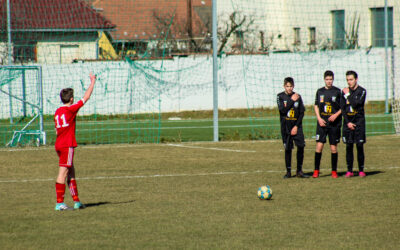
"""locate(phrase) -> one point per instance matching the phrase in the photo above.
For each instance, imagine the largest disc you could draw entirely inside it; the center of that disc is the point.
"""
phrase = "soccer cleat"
(287, 175)
(315, 174)
(79, 205)
(334, 174)
(362, 174)
(62, 207)
(300, 174)
(349, 174)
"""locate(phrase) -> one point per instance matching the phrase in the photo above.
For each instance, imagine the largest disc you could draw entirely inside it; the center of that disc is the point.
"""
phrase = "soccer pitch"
(190, 130)
(200, 195)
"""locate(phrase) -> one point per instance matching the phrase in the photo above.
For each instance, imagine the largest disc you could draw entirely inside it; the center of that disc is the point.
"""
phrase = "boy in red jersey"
(65, 122)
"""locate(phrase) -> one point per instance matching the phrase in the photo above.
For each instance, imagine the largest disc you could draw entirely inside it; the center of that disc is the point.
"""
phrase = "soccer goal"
(21, 98)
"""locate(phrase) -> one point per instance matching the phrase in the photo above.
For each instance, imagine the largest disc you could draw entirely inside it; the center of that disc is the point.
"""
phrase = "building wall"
(3, 53)
(277, 18)
(65, 52)
(311, 13)
(106, 48)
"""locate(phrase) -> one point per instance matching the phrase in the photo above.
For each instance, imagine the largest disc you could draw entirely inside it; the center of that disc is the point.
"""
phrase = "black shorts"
(298, 139)
(332, 132)
(356, 136)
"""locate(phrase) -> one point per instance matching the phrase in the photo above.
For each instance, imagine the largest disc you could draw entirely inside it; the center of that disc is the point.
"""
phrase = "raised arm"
(281, 106)
(89, 90)
(354, 102)
(343, 108)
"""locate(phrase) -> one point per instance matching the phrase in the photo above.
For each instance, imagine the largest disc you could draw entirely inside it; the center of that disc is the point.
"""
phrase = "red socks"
(73, 189)
(60, 190)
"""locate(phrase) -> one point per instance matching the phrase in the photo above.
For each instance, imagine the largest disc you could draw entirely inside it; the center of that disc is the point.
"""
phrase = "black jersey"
(291, 113)
(353, 106)
(328, 102)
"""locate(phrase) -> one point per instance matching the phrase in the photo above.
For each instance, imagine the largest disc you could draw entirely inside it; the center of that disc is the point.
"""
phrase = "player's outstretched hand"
(346, 90)
(92, 77)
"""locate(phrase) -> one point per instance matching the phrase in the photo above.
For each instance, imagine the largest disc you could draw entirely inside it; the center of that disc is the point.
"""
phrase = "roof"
(136, 20)
(52, 15)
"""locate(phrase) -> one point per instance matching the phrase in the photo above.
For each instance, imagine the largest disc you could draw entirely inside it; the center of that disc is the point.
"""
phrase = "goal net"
(22, 102)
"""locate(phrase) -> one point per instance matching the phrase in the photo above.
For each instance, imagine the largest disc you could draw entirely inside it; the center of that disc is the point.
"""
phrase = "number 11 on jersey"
(64, 122)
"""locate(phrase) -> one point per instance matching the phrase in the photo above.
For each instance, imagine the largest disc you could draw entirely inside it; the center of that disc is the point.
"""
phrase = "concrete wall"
(186, 83)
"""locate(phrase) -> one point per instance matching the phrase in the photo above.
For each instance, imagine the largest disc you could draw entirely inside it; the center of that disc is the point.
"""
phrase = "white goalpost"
(22, 115)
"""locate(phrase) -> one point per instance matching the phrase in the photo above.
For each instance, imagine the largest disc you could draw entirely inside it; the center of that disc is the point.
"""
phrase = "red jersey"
(65, 122)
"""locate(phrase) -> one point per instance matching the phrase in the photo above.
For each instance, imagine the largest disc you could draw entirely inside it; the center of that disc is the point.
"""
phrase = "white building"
(292, 25)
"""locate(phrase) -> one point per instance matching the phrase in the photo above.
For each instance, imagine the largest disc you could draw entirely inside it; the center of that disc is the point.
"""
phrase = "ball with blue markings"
(264, 192)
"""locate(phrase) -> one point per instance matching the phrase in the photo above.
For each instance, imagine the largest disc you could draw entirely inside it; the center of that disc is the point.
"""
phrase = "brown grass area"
(201, 195)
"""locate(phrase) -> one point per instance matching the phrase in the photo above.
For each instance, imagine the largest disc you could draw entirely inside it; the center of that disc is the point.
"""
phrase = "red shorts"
(66, 156)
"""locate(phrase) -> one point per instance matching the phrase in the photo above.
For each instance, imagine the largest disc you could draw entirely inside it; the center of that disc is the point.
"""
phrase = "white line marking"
(175, 175)
(127, 145)
(219, 149)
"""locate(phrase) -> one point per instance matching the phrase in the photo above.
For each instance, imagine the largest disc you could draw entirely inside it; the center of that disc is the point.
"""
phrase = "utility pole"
(189, 24)
(9, 55)
(215, 68)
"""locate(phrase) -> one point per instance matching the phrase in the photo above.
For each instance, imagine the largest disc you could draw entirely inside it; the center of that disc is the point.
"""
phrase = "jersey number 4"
(64, 122)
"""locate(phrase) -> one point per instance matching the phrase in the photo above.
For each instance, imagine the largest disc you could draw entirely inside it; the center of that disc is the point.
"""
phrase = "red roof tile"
(135, 19)
(51, 14)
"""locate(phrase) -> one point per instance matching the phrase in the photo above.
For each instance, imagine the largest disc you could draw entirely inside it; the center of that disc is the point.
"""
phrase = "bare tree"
(237, 23)
(164, 25)
(352, 33)
(176, 30)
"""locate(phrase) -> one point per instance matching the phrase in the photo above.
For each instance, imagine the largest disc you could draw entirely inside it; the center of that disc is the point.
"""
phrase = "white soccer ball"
(264, 192)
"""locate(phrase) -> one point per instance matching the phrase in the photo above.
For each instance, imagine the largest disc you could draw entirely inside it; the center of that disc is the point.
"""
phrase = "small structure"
(50, 31)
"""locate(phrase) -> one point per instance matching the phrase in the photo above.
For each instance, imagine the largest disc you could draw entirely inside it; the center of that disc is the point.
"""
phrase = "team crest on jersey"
(284, 103)
(333, 98)
(290, 113)
(296, 104)
(328, 109)
(321, 98)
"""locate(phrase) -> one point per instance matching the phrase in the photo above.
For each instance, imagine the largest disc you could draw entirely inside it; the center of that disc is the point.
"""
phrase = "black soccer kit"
(291, 114)
(328, 102)
(352, 106)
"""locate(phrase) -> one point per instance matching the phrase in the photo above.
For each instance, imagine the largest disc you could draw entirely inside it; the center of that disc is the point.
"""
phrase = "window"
(239, 39)
(24, 52)
(378, 26)
(312, 38)
(312, 35)
(338, 29)
(69, 53)
(262, 46)
(296, 40)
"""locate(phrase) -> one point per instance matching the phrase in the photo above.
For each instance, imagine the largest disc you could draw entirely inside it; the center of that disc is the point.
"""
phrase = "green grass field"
(200, 196)
(128, 130)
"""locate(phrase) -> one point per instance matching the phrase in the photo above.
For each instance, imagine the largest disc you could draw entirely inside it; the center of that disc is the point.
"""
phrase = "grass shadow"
(96, 204)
